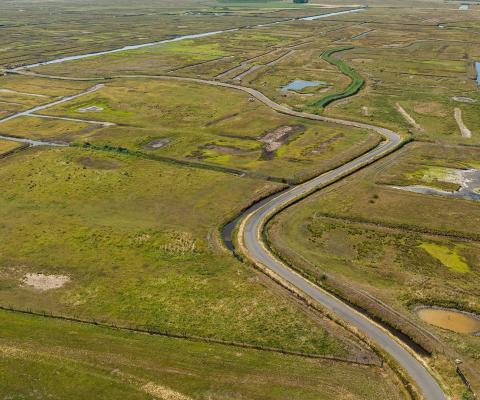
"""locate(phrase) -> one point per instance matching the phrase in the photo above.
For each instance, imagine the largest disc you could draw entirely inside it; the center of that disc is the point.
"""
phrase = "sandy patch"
(90, 109)
(462, 99)
(45, 282)
(157, 144)
(365, 111)
(466, 133)
(430, 108)
(408, 117)
(163, 392)
(275, 138)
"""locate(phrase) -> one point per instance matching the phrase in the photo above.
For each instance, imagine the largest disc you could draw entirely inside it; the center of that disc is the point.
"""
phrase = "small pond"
(463, 7)
(477, 67)
(299, 84)
(467, 179)
(453, 320)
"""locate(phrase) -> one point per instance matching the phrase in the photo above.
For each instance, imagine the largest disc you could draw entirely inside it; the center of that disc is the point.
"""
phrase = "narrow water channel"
(176, 39)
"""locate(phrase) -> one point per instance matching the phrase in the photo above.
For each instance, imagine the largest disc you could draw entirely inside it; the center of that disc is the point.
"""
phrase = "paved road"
(251, 233)
(252, 242)
(254, 222)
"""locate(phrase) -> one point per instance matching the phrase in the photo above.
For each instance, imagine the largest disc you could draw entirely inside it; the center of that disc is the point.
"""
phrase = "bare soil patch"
(90, 109)
(163, 392)
(273, 139)
(45, 282)
(466, 133)
(462, 99)
(98, 163)
(157, 144)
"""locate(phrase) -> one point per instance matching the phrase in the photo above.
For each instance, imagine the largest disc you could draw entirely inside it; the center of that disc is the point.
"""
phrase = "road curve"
(250, 234)
(253, 222)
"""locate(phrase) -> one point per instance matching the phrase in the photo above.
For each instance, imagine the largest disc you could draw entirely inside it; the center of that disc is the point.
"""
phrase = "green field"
(123, 226)
(139, 242)
(59, 359)
(228, 130)
(405, 249)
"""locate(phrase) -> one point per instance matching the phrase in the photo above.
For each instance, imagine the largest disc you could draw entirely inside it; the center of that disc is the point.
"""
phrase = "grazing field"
(406, 249)
(135, 242)
(121, 227)
(75, 360)
(200, 124)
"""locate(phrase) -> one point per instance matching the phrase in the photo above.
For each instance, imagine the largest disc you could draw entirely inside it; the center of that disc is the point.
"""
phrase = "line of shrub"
(354, 87)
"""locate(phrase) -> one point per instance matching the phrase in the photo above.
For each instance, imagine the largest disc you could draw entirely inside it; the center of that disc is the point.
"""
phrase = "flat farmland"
(230, 129)
(115, 280)
(406, 249)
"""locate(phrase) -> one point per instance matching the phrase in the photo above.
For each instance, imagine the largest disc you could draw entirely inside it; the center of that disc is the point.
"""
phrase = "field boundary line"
(202, 339)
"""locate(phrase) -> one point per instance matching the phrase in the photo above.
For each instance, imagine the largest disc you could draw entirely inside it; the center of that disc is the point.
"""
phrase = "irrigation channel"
(252, 221)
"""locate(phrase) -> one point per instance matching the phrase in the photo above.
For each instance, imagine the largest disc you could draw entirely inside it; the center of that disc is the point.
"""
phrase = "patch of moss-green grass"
(450, 258)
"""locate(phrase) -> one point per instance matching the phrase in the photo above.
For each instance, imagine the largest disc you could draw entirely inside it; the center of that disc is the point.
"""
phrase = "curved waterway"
(176, 39)
(451, 319)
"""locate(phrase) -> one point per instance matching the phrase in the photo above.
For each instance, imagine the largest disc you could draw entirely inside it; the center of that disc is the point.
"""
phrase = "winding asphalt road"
(251, 228)
(250, 232)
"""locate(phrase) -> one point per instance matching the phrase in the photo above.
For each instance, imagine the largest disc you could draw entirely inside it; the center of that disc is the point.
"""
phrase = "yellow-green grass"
(41, 86)
(46, 128)
(140, 242)
(59, 359)
(214, 125)
(414, 66)
(7, 145)
(150, 22)
(360, 233)
(450, 258)
(369, 195)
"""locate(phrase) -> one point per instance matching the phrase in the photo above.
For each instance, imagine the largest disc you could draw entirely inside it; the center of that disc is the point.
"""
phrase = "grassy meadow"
(75, 360)
(123, 227)
(139, 243)
(202, 124)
